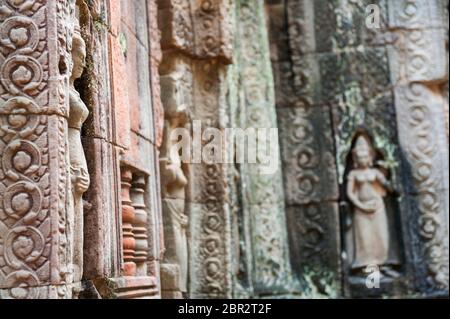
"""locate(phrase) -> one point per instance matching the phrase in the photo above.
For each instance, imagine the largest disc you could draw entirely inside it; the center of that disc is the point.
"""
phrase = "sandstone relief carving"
(367, 186)
(78, 113)
(35, 236)
(363, 144)
(174, 182)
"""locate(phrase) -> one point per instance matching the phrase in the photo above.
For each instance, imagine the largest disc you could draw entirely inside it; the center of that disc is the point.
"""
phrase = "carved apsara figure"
(175, 219)
(78, 114)
(366, 188)
(174, 181)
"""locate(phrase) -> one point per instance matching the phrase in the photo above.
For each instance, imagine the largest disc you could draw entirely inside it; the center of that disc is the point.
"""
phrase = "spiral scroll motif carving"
(28, 136)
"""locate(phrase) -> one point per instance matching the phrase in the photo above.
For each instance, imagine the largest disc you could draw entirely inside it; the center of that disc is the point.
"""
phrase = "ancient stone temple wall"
(82, 126)
(335, 77)
(136, 127)
(100, 199)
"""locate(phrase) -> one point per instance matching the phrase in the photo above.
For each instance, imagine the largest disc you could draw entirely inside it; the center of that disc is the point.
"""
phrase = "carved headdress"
(363, 146)
(77, 27)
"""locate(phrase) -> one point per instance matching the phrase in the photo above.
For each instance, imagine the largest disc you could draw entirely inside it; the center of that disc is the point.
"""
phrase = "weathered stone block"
(353, 76)
(170, 277)
(94, 86)
(101, 221)
(309, 167)
(416, 14)
(115, 16)
(140, 153)
(119, 94)
(419, 55)
(128, 288)
(315, 245)
(134, 17)
(208, 183)
(269, 249)
(209, 265)
(200, 28)
(423, 141)
(341, 24)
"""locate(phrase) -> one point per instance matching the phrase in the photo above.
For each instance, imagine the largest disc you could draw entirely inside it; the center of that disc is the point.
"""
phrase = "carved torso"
(78, 110)
(365, 183)
(78, 113)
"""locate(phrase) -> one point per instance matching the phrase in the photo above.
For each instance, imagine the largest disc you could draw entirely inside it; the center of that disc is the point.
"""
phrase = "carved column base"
(42, 292)
(128, 288)
(171, 282)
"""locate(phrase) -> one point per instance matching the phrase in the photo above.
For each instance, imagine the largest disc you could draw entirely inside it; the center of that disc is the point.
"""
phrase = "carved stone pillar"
(35, 224)
(197, 45)
(140, 224)
(307, 144)
(128, 218)
(419, 66)
(266, 250)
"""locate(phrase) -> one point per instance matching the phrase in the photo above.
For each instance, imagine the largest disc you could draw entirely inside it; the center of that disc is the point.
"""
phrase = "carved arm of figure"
(384, 182)
(80, 179)
(180, 177)
(353, 196)
(172, 172)
(168, 171)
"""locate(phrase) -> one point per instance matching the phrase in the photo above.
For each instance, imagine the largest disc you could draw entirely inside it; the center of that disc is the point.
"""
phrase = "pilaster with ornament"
(196, 41)
(264, 252)
(419, 66)
(35, 224)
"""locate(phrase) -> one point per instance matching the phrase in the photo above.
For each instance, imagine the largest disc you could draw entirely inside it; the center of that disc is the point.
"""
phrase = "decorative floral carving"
(418, 61)
(421, 153)
(33, 244)
(262, 195)
(199, 28)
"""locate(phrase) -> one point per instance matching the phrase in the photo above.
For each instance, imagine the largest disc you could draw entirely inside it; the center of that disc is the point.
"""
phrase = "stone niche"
(372, 247)
(121, 138)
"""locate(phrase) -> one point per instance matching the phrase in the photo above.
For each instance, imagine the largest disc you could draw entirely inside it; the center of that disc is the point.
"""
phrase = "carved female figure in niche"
(366, 188)
(78, 113)
(175, 219)
(173, 178)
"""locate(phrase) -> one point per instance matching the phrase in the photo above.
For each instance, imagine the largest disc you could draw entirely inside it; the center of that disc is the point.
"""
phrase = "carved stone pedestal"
(128, 288)
(170, 282)
(388, 287)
